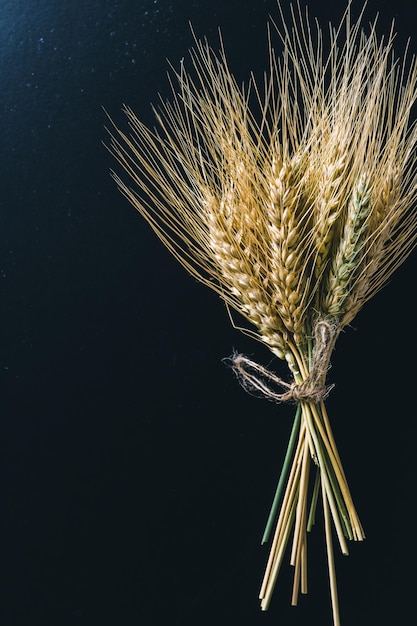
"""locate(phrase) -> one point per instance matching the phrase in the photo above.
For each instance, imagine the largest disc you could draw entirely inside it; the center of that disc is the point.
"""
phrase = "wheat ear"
(349, 252)
(295, 202)
(288, 230)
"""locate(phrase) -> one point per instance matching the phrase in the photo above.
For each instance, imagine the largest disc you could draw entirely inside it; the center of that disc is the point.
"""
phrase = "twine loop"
(258, 380)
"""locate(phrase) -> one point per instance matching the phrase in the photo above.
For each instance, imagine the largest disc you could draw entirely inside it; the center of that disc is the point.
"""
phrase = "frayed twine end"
(259, 381)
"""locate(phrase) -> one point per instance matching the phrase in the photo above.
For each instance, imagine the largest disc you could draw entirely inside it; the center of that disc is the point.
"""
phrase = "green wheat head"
(295, 200)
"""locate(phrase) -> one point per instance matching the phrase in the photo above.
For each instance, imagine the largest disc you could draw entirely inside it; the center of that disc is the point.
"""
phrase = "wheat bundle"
(294, 201)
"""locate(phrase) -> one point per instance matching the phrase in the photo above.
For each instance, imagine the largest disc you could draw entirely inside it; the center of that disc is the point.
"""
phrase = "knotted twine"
(257, 379)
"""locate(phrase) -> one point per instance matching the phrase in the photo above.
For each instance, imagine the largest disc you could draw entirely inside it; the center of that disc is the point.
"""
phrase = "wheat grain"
(287, 228)
(241, 272)
(348, 254)
(296, 213)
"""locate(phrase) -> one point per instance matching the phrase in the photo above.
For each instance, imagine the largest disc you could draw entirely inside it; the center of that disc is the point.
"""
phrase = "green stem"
(312, 514)
(283, 475)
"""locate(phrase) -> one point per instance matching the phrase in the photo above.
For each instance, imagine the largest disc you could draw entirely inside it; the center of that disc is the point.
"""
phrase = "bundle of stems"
(293, 200)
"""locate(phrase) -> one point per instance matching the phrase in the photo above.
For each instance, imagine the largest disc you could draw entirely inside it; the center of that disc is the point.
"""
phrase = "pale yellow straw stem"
(330, 559)
(299, 543)
(358, 533)
(284, 523)
(269, 582)
(325, 480)
(301, 506)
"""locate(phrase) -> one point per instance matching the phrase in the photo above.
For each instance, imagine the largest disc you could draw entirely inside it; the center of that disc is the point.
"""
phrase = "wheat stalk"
(295, 202)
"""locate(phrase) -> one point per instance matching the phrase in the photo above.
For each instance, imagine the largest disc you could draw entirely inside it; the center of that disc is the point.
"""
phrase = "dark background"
(136, 475)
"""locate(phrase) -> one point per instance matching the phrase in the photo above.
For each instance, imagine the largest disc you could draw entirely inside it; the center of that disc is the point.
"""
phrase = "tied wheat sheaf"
(294, 201)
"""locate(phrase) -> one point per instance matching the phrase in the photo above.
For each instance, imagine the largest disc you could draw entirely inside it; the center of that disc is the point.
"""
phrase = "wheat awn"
(295, 202)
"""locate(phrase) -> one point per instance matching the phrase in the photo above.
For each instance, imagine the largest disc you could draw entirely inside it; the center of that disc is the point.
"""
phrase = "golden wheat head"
(255, 190)
(295, 200)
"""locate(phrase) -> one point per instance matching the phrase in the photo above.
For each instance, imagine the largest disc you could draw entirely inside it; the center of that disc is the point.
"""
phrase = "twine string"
(258, 380)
